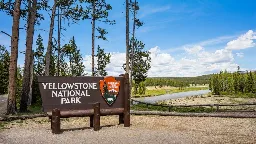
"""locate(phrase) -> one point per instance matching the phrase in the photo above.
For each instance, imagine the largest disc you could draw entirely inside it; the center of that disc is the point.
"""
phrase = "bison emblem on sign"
(109, 88)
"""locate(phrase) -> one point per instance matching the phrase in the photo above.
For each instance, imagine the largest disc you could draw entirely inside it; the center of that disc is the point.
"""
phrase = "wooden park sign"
(64, 97)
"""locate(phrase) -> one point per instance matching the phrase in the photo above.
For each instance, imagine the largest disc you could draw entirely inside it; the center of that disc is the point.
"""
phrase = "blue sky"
(185, 37)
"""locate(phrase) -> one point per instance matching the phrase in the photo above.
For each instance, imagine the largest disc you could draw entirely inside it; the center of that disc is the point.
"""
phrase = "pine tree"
(97, 11)
(53, 60)
(4, 69)
(76, 67)
(11, 105)
(103, 59)
(249, 82)
(39, 57)
(70, 11)
(32, 8)
(139, 60)
(39, 65)
(77, 60)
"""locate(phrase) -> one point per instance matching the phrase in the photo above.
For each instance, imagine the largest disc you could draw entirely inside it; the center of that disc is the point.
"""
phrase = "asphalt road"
(155, 99)
(3, 104)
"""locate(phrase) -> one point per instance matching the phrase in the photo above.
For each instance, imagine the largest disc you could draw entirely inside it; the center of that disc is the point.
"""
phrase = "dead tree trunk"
(28, 56)
(127, 37)
(49, 47)
(11, 104)
(59, 49)
(31, 79)
(93, 35)
(133, 45)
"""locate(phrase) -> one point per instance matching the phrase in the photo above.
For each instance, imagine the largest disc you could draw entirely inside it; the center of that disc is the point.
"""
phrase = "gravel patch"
(144, 129)
(206, 99)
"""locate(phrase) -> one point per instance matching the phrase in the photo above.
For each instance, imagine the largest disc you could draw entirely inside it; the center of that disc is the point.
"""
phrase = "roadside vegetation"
(236, 84)
(3, 125)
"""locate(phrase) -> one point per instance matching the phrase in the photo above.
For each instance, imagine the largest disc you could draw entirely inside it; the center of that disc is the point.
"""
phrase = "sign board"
(79, 93)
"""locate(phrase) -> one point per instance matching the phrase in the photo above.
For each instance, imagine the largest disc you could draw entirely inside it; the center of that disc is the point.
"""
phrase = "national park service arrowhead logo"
(109, 88)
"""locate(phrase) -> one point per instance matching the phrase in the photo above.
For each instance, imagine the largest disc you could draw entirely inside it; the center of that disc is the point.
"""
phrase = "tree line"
(233, 83)
(166, 82)
(57, 59)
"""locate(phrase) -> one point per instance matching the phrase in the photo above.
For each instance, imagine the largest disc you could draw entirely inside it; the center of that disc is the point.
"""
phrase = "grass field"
(144, 107)
(155, 91)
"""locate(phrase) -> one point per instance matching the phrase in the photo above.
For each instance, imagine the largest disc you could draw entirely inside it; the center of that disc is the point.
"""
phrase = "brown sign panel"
(80, 93)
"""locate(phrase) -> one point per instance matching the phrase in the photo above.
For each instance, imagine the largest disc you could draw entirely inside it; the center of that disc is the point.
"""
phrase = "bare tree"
(93, 35)
(49, 47)
(133, 37)
(59, 49)
(127, 37)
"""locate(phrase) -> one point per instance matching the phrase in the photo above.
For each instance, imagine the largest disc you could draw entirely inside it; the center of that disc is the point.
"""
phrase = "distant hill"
(204, 79)
(197, 77)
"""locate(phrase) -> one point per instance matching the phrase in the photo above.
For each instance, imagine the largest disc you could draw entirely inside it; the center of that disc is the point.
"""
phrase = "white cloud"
(209, 42)
(196, 62)
(114, 68)
(148, 10)
(219, 56)
(242, 42)
(194, 49)
(160, 9)
(241, 55)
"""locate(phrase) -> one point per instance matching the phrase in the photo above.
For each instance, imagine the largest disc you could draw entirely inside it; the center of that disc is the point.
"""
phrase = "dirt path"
(144, 129)
(3, 104)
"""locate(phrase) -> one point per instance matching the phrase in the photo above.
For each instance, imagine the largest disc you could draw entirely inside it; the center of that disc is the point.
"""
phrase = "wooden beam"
(90, 112)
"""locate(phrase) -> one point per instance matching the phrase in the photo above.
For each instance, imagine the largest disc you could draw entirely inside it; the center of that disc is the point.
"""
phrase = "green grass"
(3, 125)
(157, 92)
(33, 109)
(238, 95)
(144, 107)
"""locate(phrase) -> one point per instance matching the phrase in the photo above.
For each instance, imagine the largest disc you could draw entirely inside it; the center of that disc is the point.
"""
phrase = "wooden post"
(55, 121)
(96, 116)
(121, 118)
(51, 122)
(91, 121)
(126, 101)
(217, 108)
